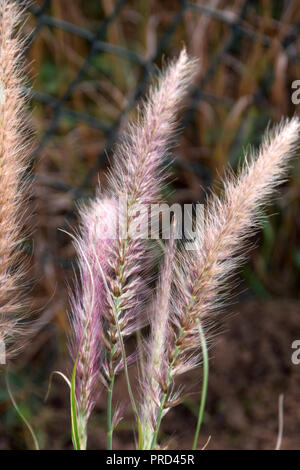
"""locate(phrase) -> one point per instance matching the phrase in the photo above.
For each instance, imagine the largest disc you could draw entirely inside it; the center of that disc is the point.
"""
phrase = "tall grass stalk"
(15, 146)
(204, 352)
(201, 274)
(112, 288)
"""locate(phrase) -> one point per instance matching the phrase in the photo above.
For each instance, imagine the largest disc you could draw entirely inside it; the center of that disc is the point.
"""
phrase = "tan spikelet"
(201, 275)
(14, 152)
(230, 220)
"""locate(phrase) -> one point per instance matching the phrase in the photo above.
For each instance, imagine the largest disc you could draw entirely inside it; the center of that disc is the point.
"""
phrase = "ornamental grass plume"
(201, 274)
(229, 221)
(112, 289)
(14, 155)
(107, 306)
(88, 305)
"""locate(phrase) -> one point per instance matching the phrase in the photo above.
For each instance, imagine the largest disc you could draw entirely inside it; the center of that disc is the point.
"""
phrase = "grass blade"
(74, 421)
(204, 385)
(27, 424)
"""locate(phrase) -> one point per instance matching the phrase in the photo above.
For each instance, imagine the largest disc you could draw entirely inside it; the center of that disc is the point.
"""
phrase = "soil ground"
(250, 367)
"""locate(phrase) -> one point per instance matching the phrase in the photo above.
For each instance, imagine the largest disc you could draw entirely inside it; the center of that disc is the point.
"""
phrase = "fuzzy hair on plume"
(14, 188)
(106, 307)
(108, 301)
(200, 275)
(111, 298)
(229, 221)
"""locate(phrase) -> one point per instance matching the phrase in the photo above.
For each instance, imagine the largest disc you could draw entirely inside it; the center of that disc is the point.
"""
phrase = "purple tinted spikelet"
(136, 179)
(200, 275)
(108, 299)
(98, 220)
(136, 172)
(14, 188)
(229, 221)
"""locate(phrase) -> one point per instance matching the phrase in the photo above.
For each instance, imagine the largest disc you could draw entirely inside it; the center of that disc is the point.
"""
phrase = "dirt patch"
(250, 367)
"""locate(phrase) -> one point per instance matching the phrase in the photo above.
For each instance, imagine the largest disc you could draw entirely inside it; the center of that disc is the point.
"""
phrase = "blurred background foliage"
(90, 62)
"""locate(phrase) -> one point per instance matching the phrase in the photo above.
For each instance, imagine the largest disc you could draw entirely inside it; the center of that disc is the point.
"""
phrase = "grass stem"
(109, 414)
(204, 385)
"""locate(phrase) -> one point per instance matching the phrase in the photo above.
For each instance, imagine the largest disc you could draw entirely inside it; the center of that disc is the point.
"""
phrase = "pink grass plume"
(14, 186)
(112, 290)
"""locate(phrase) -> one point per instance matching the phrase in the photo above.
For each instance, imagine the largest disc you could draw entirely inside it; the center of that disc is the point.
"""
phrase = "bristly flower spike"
(14, 186)
(111, 292)
(201, 274)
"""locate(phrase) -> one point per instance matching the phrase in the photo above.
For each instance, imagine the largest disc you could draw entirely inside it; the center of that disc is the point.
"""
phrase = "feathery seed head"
(14, 188)
(98, 222)
(229, 221)
(108, 305)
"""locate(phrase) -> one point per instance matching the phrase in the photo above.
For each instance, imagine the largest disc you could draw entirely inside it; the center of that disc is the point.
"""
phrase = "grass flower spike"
(109, 300)
(88, 305)
(14, 155)
(166, 307)
(113, 292)
(229, 221)
(201, 274)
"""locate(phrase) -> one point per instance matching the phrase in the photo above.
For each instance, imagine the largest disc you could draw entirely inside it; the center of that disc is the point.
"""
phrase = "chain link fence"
(240, 25)
(98, 43)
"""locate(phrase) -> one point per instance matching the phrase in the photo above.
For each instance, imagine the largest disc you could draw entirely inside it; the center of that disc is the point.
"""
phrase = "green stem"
(204, 385)
(164, 397)
(110, 429)
(124, 359)
(27, 424)
(82, 431)
(159, 419)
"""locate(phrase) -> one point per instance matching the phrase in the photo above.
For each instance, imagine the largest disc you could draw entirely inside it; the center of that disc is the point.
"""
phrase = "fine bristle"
(14, 155)
(108, 304)
(229, 221)
(200, 276)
